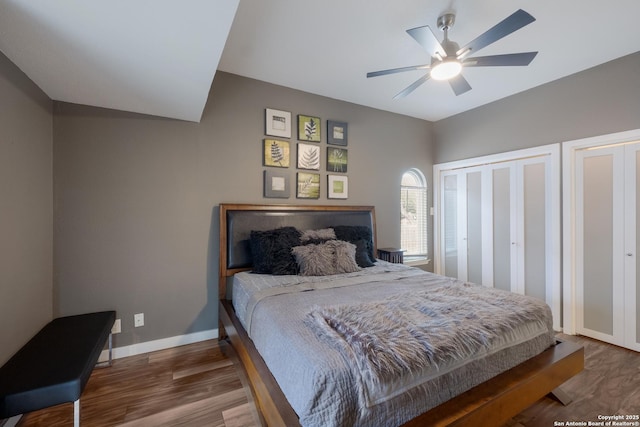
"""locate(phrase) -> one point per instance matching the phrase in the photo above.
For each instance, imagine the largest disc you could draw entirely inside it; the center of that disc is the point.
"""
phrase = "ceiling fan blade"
(459, 85)
(425, 37)
(397, 70)
(413, 86)
(507, 60)
(517, 20)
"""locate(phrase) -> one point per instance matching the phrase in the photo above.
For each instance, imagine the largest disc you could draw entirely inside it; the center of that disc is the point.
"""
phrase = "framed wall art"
(308, 156)
(337, 187)
(336, 132)
(308, 128)
(308, 185)
(276, 184)
(337, 159)
(277, 123)
(275, 153)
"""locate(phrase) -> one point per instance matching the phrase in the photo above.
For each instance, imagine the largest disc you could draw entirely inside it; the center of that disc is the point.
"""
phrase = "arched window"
(413, 208)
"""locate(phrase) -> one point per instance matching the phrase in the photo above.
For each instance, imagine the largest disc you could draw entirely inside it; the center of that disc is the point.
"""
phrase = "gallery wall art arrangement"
(277, 156)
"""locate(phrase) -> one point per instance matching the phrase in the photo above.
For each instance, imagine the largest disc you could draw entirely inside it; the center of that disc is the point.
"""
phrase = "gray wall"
(597, 101)
(136, 197)
(26, 209)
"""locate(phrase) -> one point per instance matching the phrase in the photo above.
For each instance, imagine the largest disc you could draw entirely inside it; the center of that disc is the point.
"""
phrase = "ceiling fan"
(448, 59)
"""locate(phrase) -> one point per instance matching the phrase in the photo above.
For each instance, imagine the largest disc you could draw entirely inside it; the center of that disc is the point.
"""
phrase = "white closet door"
(474, 217)
(451, 224)
(606, 243)
(632, 246)
(503, 225)
(532, 236)
(462, 225)
(499, 224)
(599, 229)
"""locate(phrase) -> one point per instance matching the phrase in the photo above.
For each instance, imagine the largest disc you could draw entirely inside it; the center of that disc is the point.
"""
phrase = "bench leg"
(76, 413)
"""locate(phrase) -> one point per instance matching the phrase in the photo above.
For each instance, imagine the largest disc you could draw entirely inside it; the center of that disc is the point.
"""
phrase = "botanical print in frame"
(337, 159)
(275, 153)
(277, 123)
(276, 184)
(337, 187)
(336, 132)
(308, 185)
(308, 156)
(308, 128)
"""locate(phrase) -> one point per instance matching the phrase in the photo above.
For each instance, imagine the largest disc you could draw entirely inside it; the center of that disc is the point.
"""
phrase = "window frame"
(422, 216)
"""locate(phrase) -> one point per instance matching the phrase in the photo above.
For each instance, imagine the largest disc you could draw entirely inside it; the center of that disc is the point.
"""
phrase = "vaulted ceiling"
(159, 57)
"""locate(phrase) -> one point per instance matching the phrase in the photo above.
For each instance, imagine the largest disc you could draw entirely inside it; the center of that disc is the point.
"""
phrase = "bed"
(316, 352)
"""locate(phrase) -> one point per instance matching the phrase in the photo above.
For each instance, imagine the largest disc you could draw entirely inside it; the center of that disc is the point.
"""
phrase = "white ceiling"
(156, 57)
(159, 56)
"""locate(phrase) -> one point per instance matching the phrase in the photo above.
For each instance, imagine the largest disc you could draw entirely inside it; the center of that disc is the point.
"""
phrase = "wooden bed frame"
(491, 403)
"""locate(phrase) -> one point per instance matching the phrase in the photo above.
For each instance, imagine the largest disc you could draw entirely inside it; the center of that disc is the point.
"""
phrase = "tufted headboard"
(237, 221)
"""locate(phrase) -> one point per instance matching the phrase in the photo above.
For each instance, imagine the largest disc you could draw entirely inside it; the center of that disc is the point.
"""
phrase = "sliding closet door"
(462, 237)
(450, 224)
(499, 223)
(504, 225)
(531, 241)
(474, 217)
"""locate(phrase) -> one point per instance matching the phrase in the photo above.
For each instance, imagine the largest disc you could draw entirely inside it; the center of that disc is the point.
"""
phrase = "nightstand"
(391, 255)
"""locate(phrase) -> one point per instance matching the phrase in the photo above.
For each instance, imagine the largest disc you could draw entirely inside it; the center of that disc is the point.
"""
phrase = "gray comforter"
(341, 361)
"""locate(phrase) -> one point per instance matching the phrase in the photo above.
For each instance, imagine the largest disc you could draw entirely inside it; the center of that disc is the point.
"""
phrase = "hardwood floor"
(609, 385)
(198, 385)
(192, 385)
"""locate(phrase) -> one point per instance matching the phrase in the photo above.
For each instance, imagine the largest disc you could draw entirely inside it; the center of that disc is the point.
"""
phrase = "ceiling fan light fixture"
(446, 70)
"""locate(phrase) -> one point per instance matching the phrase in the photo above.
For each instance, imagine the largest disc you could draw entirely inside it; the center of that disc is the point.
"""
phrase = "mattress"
(328, 383)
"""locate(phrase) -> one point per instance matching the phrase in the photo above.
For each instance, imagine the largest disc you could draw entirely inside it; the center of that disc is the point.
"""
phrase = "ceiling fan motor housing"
(446, 21)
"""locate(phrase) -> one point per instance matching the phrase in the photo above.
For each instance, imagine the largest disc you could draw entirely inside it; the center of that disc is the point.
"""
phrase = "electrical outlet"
(138, 320)
(117, 327)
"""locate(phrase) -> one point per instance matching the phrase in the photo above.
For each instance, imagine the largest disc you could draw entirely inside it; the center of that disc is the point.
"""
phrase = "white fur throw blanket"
(415, 332)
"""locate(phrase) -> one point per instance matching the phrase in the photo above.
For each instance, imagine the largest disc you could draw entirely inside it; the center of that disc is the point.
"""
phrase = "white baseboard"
(10, 422)
(161, 344)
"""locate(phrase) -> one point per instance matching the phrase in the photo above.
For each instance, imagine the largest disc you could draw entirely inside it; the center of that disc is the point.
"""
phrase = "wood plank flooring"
(198, 385)
(192, 385)
(609, 385)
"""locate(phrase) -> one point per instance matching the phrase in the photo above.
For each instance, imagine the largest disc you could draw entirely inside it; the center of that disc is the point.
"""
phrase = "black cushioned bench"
(55, 365)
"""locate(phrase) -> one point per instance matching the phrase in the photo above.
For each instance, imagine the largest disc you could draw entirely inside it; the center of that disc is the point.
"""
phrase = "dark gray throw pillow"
(360, 236)
(271, 250)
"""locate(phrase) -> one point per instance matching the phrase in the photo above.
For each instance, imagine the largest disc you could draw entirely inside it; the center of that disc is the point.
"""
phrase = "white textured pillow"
(325, 259)
(315, 235)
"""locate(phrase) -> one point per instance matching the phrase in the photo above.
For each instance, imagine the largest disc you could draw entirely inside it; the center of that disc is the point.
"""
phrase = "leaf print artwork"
(337, 160)
(308, 157)
(308, 185)
(276, 153)
(308, 128)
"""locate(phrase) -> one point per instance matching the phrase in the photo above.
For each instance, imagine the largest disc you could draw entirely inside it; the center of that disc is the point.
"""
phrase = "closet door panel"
(450, 225)
(502, 228)
(635, 282)
(474, 227)
(632, 246)
(596, 229)
(534, 229)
